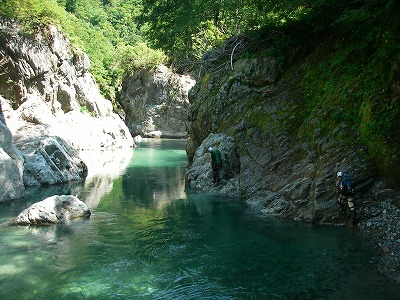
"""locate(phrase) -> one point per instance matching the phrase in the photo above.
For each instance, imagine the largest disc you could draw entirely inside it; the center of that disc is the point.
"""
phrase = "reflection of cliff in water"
(103, 168)
(154, 187)
(156, 176)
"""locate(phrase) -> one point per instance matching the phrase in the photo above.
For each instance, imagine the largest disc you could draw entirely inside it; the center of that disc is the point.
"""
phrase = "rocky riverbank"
(283, 159)
(50, 108)
(382, 226)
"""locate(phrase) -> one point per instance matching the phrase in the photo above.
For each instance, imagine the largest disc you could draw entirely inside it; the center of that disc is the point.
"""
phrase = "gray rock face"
(200, 173)
(11, 165)
(53, 210)
(49, 100)
(47, 82)
(50, 161)
(287, 165)
(274, 166)
(47, 64)
(156, 102)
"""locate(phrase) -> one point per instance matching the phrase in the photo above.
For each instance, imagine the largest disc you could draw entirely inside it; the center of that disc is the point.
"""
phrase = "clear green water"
(149, 238)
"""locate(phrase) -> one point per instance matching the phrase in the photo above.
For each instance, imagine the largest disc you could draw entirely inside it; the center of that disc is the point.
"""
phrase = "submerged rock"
(53, 210)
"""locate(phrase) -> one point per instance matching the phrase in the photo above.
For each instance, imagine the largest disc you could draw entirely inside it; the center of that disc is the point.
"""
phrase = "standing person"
(216, 163)
(345, 190)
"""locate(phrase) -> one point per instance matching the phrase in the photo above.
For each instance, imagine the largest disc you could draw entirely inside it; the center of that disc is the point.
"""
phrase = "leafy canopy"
(186, 29)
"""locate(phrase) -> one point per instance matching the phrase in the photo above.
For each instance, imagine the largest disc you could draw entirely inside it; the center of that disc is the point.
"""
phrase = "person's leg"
(350, 203)
(341, 205)
(218, 173)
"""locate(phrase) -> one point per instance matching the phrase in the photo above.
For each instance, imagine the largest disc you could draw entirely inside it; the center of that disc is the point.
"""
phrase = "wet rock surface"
(381, 223)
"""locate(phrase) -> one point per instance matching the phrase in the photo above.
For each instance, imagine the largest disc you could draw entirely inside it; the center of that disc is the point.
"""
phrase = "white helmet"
(339, 174)
(210, 149)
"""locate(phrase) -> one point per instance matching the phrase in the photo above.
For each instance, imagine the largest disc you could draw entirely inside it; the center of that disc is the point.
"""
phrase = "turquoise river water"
(151, 238)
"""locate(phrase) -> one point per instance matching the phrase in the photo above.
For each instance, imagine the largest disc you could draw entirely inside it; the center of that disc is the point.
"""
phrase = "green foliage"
(84, 109)
(185, 29)
(349, 84)
(139, 56)
(96, 27)
(33, 13)
(121, 15)
(207, 38)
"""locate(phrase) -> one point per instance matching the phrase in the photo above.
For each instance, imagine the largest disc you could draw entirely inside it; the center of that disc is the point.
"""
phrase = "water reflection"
(103, 168)
(155, 176)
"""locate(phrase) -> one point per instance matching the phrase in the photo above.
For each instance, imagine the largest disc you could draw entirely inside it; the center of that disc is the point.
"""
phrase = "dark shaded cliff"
(302, 110)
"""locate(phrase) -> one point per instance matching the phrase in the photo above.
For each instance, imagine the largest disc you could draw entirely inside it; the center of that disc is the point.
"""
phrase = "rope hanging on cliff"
(233, 51)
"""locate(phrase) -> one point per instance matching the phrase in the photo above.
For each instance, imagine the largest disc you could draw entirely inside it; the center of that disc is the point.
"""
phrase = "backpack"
(347, 187)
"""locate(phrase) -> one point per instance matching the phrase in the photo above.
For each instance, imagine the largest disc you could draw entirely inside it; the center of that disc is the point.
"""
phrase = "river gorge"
(150, 237)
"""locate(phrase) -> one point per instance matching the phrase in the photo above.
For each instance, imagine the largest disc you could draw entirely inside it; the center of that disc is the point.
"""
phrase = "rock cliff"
(155, 102)
(51, 108)
(11, 163)
(275, 157)
(259, 120)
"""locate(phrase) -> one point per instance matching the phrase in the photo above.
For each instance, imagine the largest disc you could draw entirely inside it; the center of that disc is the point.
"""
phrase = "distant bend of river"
(151, 238)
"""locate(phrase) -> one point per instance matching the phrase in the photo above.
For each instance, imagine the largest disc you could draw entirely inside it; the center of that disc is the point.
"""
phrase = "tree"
(178, 26)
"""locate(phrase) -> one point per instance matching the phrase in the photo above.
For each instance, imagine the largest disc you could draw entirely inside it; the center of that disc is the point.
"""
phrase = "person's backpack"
(347, 187)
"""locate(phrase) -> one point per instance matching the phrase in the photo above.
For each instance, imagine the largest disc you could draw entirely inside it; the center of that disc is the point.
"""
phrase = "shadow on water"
(150, 238)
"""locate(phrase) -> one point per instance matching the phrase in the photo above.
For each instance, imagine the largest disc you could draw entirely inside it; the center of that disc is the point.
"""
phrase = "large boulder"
(200, 173)
(34, 119)
(11, 184)
(51, 161)
(156, 102)
(53, 210)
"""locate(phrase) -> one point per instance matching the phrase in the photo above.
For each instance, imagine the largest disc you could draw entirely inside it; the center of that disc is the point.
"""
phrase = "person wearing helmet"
(346, 194)
(216, 163)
